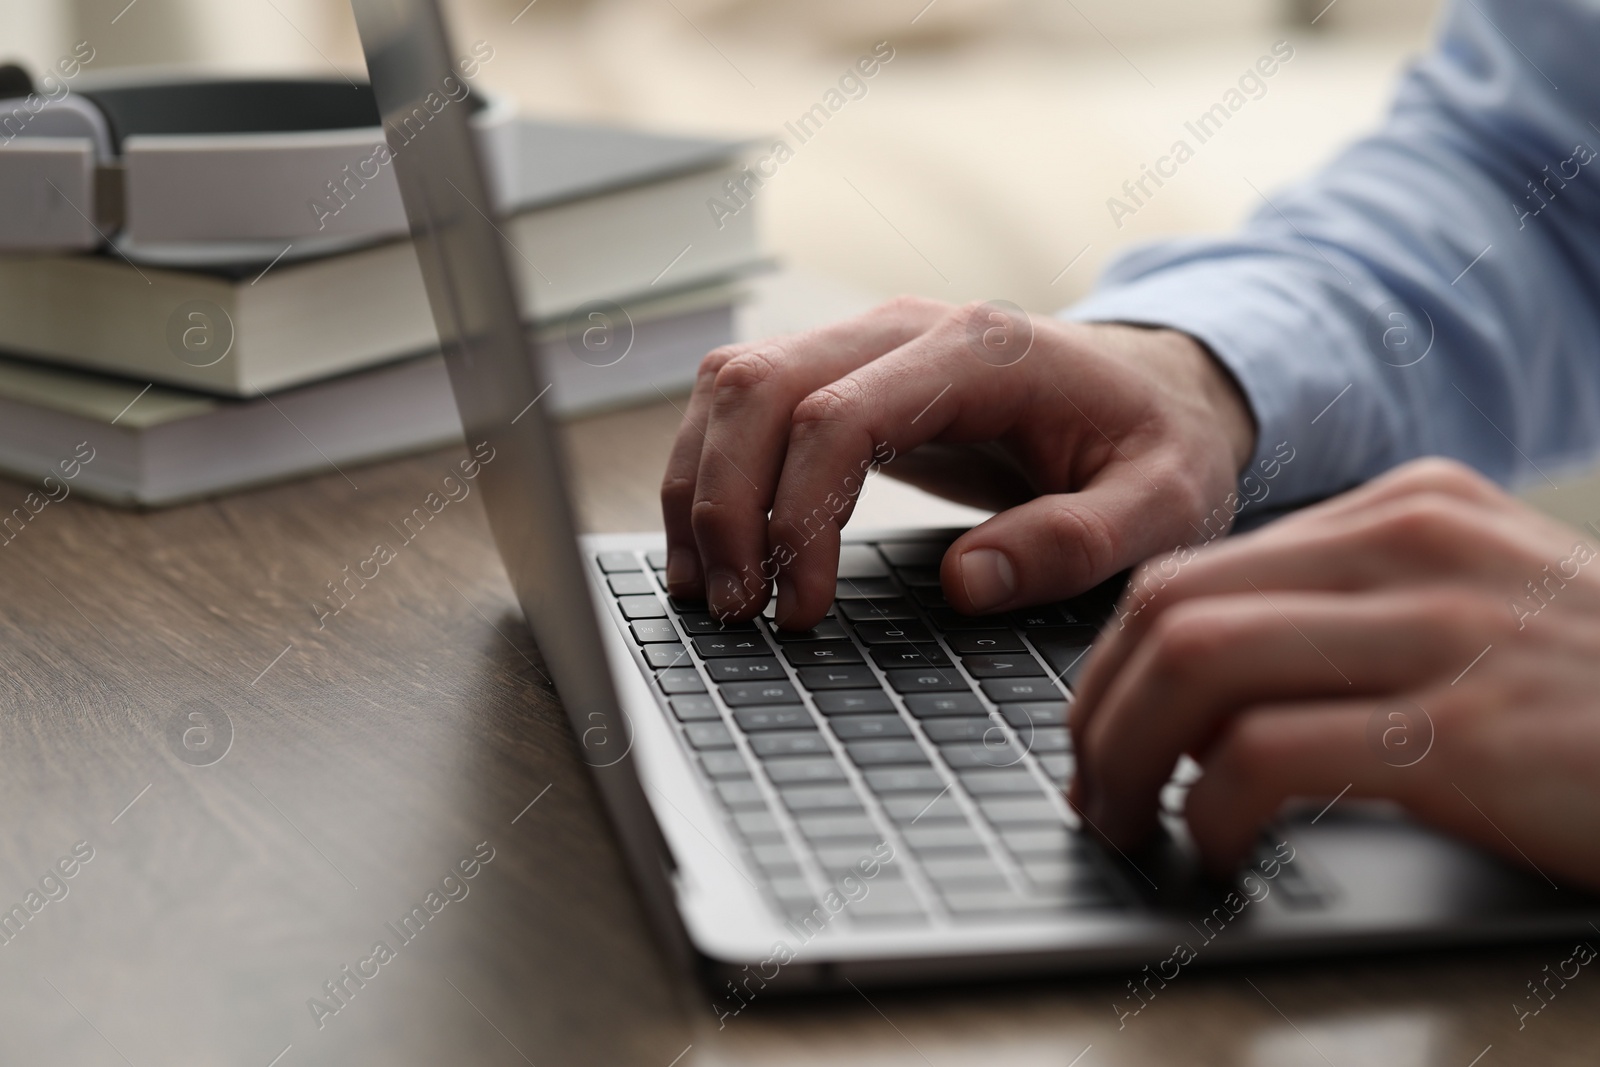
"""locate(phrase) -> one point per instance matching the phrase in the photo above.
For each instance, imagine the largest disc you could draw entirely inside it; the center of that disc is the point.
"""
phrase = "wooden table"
(414, 730)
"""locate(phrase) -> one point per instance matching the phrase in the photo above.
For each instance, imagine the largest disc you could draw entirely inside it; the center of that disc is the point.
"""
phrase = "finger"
(1433, 474)
(1209, 658)
(1058, 545)
(934, 387)
(684, 577)
(1277, 753)
(1405, 541)
(751, 400)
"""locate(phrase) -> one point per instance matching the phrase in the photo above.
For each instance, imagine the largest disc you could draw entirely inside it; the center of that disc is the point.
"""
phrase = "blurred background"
(978, 164)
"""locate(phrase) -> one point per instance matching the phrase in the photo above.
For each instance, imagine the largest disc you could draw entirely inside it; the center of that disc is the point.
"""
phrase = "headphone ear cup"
(14, 81)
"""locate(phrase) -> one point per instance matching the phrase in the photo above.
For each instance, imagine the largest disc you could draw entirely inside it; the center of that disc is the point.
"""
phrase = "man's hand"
(1425, 639)
(1113, 442)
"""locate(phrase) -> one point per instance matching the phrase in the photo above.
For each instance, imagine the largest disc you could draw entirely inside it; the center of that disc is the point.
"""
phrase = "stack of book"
(187, 382)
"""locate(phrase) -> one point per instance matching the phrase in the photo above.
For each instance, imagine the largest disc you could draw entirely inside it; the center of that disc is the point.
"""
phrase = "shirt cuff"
(1298, 358)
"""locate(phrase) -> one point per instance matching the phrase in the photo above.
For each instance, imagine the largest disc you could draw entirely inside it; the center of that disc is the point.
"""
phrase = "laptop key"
(1007, 781)
(792, 743)
(1008, 812)
(708, 735)
(860, 561)
(1011, 690)
(1020, 665)
(717, 646)
(913, 553)
(695, 709)
(868, 727)
(741, 794)
(794, 770)
(1043, 740)
(893, 633)
(908, 655)
(758, 825)
(1043, 841)
(917, 809)
(680, 680)
(650, 631)
(740, 669)
(871, 753)
(904, 779)
(876, 610)
(641, 607)
(853, 701)
(1043, 615)
(700, 623)
(964, 728)
(630, 585)
(930, 596)
(935, 838)
(810, 798)
(663, 656)
(745, 694)
(773, 854)
(939, 705)
(996, 903)
(888, 902)
(782, 717)
(919, 577)
(975, 642)
(826, 630)
(959, 870)
(617, 562)
(843, 676)
(725, 763)
(1065, 650)
(865, 588)
(1058, 766)
(1035, 714)
(996, 752)
(657, 558)
(951, 621)
(932, 680)
(835, 827)
(820, 653)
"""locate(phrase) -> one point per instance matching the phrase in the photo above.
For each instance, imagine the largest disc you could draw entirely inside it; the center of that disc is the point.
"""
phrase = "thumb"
(1059, 545)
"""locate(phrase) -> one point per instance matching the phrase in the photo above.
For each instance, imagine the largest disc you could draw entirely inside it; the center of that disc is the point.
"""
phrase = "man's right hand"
(1113, 443)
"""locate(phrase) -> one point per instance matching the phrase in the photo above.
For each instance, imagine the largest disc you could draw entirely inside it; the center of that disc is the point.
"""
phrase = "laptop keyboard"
(895, 728)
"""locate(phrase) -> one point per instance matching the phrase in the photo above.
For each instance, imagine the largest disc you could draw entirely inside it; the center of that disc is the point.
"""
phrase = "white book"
(603, 215)
(154, 446)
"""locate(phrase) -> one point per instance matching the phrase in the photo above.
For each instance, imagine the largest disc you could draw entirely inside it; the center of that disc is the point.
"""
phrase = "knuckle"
(1185, 639)
(1083, 540)
(677, 491)
(710, 518)
(835, 402)
(1442, 475)
(910, 306)
(749, 370)
(1427, 522)
(717, 358)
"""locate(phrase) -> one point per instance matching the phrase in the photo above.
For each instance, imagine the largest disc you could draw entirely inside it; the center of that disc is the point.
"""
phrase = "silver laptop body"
(878, 801)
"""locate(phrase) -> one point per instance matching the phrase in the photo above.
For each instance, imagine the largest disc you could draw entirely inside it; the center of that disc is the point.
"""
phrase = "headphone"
(190, 171)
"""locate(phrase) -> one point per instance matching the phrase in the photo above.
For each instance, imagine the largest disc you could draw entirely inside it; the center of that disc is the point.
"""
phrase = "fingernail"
(681, 567)
(988, 578)
(786, 601)
(723, 593)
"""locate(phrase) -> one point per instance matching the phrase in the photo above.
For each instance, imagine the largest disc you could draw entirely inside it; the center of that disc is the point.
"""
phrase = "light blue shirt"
(1435, 290)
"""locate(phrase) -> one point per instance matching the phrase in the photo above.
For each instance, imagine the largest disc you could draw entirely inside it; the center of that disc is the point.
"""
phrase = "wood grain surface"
(365, 760)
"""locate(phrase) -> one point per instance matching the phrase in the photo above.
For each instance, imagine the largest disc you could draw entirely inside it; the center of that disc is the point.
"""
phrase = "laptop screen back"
(497, 379)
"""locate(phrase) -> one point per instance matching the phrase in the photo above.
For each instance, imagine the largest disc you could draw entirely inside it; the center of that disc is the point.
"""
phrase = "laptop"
(878, 799)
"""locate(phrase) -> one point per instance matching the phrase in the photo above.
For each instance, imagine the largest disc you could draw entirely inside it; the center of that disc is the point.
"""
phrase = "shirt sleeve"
(1434, 289)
